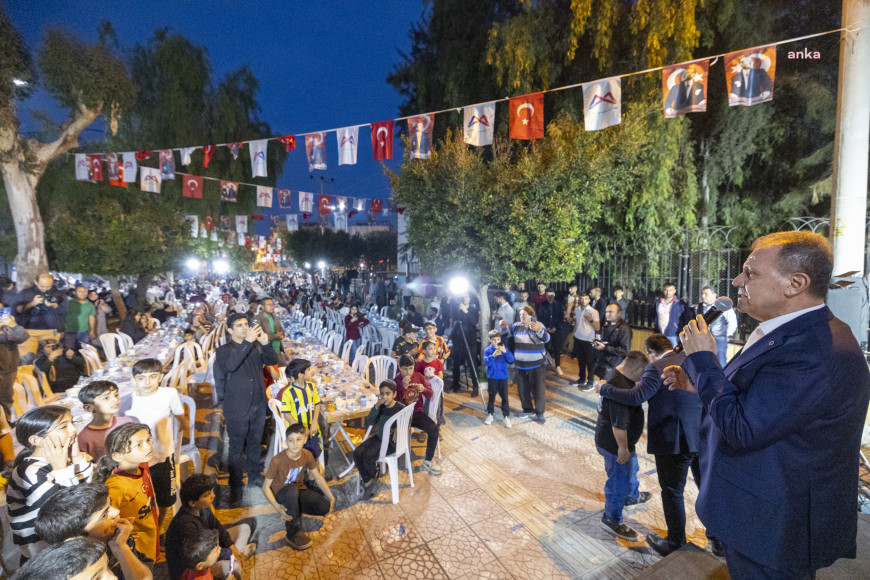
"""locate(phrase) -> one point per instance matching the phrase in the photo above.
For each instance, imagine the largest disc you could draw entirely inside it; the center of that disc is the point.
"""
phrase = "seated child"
(77, 559)
(407, 343)
(286, 490)
(429, 364)
(195, 515)
(201, 552)
(154, 406)
(616, 433)
(84, 511)
(442, 351)
(497, 357)
(100, 398)
(124, 469)
(365, 456)
(300, 402)
(50, 460)
(411, 389)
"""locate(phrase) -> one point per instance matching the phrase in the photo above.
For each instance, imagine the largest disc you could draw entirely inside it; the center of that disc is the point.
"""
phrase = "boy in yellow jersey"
(300, 402)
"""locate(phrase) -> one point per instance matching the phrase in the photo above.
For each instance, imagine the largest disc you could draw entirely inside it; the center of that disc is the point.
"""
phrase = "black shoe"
(642, 497)
(619, 530)
(540, 419)
(256, 481)
(661, 545)
(587, 387)
(299, 541)
(716, 547)
(475, 393)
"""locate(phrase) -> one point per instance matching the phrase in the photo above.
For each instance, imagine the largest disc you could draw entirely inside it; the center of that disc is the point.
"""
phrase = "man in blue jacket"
(671, 313)
(783, 420)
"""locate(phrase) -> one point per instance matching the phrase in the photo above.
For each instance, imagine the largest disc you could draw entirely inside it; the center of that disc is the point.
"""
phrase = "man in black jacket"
(615, 341)
(550, 315)
(673, 436)
(238, 374)
(464, 333)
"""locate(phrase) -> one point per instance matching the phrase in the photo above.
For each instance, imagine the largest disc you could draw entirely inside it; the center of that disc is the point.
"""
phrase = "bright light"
(361, 265)
(459, 285)
(220, 266)
(19, 83)
(307, 265)
(193, 264)
(321, 264)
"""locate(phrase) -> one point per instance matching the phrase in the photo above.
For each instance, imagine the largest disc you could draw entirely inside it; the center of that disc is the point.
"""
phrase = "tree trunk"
(142, 291)
(117, 298)
(483, 298)
(21, 190)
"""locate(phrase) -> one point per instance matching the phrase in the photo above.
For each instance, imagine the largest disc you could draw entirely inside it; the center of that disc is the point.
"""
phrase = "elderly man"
(40, 310)
(783, 420)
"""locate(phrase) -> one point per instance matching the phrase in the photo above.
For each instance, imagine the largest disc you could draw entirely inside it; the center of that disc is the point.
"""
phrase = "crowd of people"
(770, 436)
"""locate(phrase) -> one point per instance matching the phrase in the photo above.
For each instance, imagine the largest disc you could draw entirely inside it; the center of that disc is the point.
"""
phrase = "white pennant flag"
(150, 179)
(602, 104)
(242, 224)
(241, 239)
(264, 196)
(348, 138)
(359, 204)
(292, 222)
(340, 221)
(262, 242)
(82, 167)
(306, 202)
(341, 203)
(479, 124)
(186, 153)
(130, 166)
(257, 150)
(194, 225)
(213, 237)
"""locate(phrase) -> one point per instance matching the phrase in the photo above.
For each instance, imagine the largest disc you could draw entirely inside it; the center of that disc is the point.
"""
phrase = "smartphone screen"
(5, 312)
(534, 319)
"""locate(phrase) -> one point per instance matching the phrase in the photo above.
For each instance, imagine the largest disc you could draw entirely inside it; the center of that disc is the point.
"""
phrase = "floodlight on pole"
(220, 266)
(459, 285)
(193, 264)
(307, 265)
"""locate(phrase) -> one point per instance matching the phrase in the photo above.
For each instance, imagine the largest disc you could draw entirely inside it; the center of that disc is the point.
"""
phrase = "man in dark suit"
(238, 376)
(750, 84)
(672, 435)
(783, 420)
(685, 94)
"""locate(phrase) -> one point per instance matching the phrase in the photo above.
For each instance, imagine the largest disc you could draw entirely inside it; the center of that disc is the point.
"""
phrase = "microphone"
(720, 306)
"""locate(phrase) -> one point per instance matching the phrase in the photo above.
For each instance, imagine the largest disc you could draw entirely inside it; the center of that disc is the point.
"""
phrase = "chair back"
(384, 310)
(278, 444)
(345, 351)
(191, 424)
(177, 377)
(197, 355)
(402, 421)
(21, 401)
(334, 343)
(125, 342)
(384, 368)
(361, 366)
(155, 323)
(431, 406)
(108, 340)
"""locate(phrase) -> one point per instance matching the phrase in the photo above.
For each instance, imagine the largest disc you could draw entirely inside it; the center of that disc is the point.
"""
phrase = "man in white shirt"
(587, 323)
(722, 327)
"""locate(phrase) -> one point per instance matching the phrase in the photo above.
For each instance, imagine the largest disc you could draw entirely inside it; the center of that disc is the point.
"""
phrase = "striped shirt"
(529, 346)
(32, 483)
(299, 404)
(441, 349)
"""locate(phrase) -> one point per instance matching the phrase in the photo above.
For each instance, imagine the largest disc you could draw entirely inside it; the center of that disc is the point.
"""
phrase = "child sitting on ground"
(497, 357)
(616, 433)
(101, 399)
(365, 456)
(412, 388)
(201, 553)
(286, 490)
(154, 406)
(124, 469)
(300, 402)
(197, 496)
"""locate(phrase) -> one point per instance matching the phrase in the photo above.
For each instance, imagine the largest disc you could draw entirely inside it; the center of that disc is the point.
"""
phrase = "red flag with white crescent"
(324, 201)
(527, 116)
(192, 186)
(96, 165)
(143, 155)
(377, 206)
(289, 142)
(382, 140)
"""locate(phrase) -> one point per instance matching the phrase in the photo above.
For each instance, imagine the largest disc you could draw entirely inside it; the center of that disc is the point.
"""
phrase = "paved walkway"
(524, 502)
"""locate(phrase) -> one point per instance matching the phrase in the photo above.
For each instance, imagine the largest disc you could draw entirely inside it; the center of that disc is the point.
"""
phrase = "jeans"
(365, 457)
(245, 432)
(74, 340)
(498, 387)
(461, 357)
(422, 422)
(585, 355)
(313, 445)
(722, 350)
(301, 501)
(672, 471)
(530, 384)
(742, 568)
(621, 484)
(355, 345)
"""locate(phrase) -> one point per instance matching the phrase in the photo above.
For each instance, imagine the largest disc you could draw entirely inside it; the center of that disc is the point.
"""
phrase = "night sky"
(320, 65)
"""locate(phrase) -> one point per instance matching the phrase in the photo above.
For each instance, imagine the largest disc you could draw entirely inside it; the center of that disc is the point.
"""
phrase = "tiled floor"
(524, 502)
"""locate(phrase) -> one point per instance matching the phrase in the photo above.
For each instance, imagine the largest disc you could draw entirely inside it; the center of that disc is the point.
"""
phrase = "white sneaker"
(507, 423)
(488, 421)
(559, 371)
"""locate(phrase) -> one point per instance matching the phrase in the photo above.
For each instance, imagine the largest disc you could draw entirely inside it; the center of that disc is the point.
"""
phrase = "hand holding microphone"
(696, 335)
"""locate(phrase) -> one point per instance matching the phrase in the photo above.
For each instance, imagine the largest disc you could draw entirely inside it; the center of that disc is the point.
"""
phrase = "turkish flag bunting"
(96, 165)
(377, 206)
(324, 201)
(289, 142)
(208, 223)
(527, 116)
(352, 213)
(207, 152)
(382, 140)
(143, 155)
(192, 186)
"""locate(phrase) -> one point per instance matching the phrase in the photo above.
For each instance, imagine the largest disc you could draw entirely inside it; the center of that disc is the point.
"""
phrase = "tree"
(88, 80)
(339, 249)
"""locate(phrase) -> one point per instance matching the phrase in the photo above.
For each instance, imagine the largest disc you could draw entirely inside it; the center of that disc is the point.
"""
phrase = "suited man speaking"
(782, 421)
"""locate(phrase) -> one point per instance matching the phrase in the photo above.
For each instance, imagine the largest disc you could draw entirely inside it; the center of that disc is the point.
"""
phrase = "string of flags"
(749, 81)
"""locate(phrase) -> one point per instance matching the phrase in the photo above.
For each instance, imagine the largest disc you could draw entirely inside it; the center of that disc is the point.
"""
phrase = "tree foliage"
(340, 248)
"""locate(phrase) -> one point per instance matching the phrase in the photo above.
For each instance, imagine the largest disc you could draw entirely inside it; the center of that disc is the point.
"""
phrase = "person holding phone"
(531, 338)
(238, 373)
(11, 335)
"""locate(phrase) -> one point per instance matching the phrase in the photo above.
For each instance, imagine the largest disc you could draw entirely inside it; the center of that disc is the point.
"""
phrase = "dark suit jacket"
(238, 376)
(678, 99)
(758, 82)
(779, 443)
(674, 417)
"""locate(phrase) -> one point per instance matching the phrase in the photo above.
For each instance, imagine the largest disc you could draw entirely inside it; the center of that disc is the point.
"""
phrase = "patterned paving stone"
(434, 519)
(419, 564)
(461, 553)
(475, 506)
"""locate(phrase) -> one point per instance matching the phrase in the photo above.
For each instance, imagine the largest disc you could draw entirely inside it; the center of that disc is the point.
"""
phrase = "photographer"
(41, 309)
(62, 368)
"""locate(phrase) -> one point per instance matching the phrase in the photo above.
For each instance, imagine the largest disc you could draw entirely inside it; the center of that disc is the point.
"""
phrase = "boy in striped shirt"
(300, 402)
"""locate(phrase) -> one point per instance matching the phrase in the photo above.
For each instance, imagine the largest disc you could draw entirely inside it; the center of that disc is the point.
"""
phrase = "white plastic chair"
(345, 351)
(384, 368)
(21, 401)
(25, 378)
(334, 343)
(277, 445)
(109, 341)
(361, 366)
(431, 405)
(125, 342)
(186, 452)
(155, 323)
(384, 310)
(402, 421)
(177, 378)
